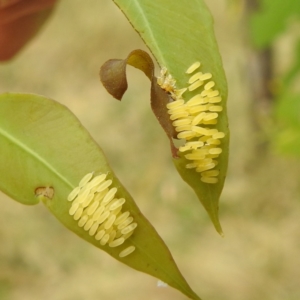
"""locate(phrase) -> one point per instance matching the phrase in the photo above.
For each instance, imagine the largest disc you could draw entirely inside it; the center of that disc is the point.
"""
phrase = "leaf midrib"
(35, 155)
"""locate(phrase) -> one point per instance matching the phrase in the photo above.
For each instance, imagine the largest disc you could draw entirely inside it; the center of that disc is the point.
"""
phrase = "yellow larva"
(85, 179)
(205, 76)
(98, 211)
(213, 94)
(129, 228)
(196, 100)
(215, 108)
(74, 194)
(186, 134)
(195, 121)
(127, 251)
(195, 85)
(193, 67)
(117, 242)
(175, 104)
(211, 173)
(195, 77)
(209, 85)
(182, 122)
(209, 179)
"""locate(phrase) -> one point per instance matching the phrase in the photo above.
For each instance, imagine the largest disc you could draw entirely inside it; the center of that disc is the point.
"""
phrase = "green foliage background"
(259, 211)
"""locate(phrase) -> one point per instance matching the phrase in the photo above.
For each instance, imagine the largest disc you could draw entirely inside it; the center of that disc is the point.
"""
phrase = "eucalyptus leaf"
(45, 152)
(179, 33)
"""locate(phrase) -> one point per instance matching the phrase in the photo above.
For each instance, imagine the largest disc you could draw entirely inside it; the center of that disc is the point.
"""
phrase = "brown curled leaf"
(113, 78)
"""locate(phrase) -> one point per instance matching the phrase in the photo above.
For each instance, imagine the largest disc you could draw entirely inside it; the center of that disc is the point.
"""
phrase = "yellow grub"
(193, 67)
(127, 251)
(215, 108)
(195, 77)
(85, 179)
(215, 100)
(197, 109)
(122, 218)
(88, 200)
(74, 194)
(179, 93)
(195, 156)
(104, 185)
(191, 165)
(194, 145)
(109, 196)
(109, 221)
(73, 209)
(103, 217)
(97, 180)
(196, 100)
(98, 212)
(215, 151)
(117, 242)
(177, 110)
(112, 235)
(205, 93)
(92, 208)
(209, 85)
(105, 239)
(183, 128)
(195, 85)
(209, 179)
(198, 118)
(184, 148)
(202, 168)
(195, 121)
(117, 204)
(218, 135)
(175, 104)
(129, 228)
(94, 212)
(88, 225)
(100, 235)
(182, 122)
(210, 116)
(212, 94)
(210, 173)
(78, 213)
(200, 130)
(125, 223)
(210, 122)
(186, 134)
(205, 76)
(179, 115)
(213, 142)
(93, 229)
(83, 220)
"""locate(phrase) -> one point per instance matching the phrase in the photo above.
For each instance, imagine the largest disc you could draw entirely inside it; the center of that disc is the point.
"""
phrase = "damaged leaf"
(44, 154)
(114, 79)
(177, 38)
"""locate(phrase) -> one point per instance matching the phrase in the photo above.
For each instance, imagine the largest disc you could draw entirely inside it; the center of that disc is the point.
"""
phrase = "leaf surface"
(179, 33)
(45, 152)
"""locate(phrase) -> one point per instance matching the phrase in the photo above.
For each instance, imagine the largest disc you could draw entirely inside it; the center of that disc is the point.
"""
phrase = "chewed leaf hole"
(47, 192)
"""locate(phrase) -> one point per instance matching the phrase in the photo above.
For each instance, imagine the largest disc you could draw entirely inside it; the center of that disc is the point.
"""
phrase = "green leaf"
(45, 152)
(179, 33)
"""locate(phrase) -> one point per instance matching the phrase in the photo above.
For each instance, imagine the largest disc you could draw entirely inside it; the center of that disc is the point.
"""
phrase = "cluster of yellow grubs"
(195, 120)
(97, 211)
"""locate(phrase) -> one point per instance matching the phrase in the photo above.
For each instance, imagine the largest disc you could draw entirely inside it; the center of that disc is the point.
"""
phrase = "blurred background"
(260, 207)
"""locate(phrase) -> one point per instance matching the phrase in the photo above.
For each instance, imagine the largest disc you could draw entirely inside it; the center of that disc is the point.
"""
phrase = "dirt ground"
(259, 210)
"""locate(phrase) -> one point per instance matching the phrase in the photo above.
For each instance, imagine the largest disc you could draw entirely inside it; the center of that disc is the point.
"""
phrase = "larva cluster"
(99, 212)
(195, 121)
